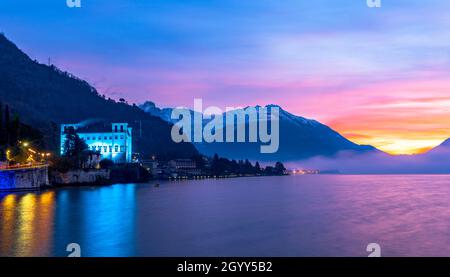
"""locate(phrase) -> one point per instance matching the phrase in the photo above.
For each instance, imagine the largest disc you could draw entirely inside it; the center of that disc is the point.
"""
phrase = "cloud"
(379, 73)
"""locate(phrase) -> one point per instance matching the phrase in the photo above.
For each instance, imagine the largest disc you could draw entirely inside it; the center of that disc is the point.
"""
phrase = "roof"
(97, 126)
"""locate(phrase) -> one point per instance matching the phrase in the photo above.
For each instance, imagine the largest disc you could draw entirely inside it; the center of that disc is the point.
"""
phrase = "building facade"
(111, 141)
(184, 167)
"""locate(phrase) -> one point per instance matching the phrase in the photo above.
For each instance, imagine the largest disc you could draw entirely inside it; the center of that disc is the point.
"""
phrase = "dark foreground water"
(315, 215)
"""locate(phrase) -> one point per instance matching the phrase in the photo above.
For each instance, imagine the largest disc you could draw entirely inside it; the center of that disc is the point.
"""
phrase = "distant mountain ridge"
(45, 96)
(163, 113)
(444, 147)
(446, 143)
(300, 138)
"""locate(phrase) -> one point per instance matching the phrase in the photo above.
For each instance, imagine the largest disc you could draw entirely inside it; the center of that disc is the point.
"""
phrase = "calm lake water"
(312, 215)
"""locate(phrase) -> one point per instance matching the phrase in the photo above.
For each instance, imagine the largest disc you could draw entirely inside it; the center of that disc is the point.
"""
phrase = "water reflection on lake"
(317, 215)
(26, 224)
(42, 224)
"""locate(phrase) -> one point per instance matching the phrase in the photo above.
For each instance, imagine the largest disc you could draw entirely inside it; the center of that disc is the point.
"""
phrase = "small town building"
(184, 167)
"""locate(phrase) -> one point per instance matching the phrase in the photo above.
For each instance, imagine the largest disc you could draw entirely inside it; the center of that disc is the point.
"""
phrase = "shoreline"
(110, 183)
(154, 181)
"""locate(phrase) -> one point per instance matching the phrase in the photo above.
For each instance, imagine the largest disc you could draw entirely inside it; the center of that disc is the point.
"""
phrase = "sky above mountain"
(377, 76)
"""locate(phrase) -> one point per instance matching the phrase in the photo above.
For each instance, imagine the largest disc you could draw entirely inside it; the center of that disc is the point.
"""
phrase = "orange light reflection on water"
(26, 222)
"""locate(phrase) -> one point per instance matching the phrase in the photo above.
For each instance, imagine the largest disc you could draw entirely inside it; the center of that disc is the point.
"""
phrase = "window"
(115, 128)
(116, 148)
(93, 148)
(122, 148)
(110, 137)
(121, 128)
(99, 138)
(116, 137)
(105, 149)
(88, 138)
(105, 138)
(110, 149)
(121, 137)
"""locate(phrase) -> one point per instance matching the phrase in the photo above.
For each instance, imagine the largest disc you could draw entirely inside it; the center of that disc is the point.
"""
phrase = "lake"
(303, 215)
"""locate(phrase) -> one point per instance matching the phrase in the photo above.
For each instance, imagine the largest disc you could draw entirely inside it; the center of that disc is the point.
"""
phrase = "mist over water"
(433, 162)
(310, 215)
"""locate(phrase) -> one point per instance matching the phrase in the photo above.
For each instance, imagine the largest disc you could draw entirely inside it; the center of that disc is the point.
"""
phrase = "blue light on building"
(112, 141)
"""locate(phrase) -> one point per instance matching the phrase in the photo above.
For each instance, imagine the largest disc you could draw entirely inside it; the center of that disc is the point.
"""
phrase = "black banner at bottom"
(211, 266)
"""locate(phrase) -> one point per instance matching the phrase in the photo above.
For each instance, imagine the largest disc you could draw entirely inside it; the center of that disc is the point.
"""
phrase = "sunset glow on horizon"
(397, 122)
(377, 76)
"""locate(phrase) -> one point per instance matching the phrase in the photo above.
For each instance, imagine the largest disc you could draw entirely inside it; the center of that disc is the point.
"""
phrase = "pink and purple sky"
(378, 76)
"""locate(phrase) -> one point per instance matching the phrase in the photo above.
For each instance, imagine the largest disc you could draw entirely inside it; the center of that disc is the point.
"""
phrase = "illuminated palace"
(112, 141)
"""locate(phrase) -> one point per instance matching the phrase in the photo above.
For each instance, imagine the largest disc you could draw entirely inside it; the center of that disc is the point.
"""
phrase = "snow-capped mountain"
(300, 138)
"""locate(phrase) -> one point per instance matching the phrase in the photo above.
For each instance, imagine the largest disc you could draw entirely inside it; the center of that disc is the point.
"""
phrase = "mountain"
(300, 138)
(44, 96)
(150, 108)
(441, 149)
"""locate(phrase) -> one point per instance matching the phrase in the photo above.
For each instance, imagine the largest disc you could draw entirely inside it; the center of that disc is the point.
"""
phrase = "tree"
(14, 130)
(19, 154)
(257, 168)
(73, 144)
(241, 167)
(269, 170)
(106, 164)
(2, 136)
(215, 158)
(6, 123)
(74, 147)
(215, 165)
(2, 142)
(62, 164)
(279, 168)
(6, 115)
(248, 167)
